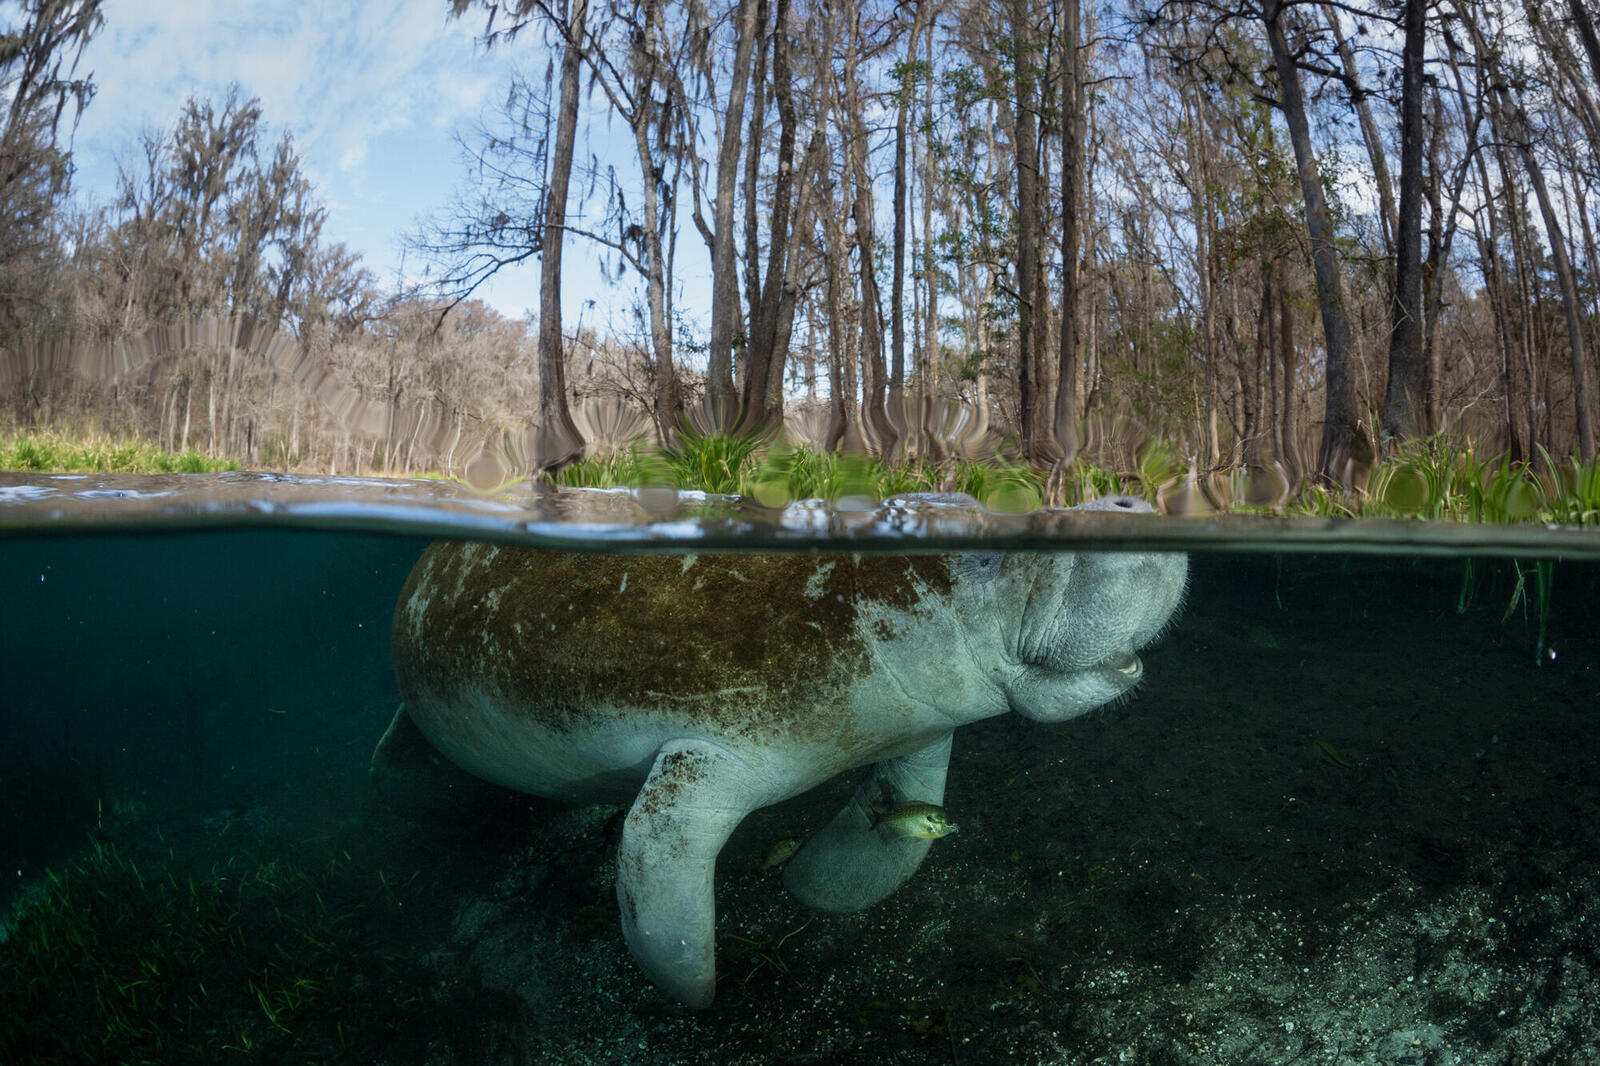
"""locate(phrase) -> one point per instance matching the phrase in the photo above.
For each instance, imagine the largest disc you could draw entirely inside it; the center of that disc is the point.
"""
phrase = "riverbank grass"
(57, 453)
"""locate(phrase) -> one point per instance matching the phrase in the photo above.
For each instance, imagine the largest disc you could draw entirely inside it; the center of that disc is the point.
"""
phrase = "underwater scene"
(908, 784)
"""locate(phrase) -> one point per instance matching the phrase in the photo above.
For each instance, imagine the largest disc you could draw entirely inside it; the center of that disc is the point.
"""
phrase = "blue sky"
(373, 93)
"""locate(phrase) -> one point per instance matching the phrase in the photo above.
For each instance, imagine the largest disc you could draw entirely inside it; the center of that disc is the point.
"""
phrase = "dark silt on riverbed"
(1352, 815)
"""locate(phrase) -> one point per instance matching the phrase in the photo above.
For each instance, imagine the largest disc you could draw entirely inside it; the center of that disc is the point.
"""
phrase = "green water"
(1349, 816)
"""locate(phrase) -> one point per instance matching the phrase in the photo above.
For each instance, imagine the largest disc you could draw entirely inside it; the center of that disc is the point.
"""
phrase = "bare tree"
(1403, 397)
(773, 292)
(1370, 136)
(1344, 444)
(557, 440)
(1511, 120)
(38, 80)
(1073, 97)
(875, 424)
(907, 76)
(526, 212)
(1031, 316)
(725, 309)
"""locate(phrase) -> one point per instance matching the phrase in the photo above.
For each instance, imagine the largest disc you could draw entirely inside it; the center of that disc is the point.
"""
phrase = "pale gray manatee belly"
(702, 687)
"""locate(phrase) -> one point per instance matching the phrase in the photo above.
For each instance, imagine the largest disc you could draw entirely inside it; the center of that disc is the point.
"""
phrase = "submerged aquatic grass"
(116, 960)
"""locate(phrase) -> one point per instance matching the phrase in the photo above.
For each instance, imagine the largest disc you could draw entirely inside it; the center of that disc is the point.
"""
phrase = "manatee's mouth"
(1123, 662)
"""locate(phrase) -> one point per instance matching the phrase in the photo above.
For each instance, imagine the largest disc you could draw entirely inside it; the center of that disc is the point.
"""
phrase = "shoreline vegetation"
(1431, 479)
(1290, 237)
(59, 453)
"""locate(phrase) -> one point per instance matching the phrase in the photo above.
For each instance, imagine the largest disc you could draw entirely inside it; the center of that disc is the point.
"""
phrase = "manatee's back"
(732, 643)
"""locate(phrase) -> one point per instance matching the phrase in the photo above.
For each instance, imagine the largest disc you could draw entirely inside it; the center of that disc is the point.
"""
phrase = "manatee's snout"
(1118, 603)
(1115, 602)
(1087, 615)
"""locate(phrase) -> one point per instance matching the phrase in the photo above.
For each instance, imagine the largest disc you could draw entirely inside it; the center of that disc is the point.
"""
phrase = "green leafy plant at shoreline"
(57, 453)
(1434, 481)
(776, 475)
(1428, 479)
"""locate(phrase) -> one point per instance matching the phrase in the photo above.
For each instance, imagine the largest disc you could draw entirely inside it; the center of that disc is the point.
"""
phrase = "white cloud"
(338, 75)
(372, 92)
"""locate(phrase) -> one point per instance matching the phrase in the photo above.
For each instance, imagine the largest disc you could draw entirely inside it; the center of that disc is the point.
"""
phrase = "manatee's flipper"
(851, 864)
(417, 782)
(694, 797)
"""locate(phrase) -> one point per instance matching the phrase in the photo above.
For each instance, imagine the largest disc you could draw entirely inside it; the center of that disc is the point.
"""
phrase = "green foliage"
(629, 468)
(1163, 383)
(111, 960)
(100, 455)
(1544, 572)
(1001, 486)
(714, 462)
(1490, 572)
(1575, 499)
(1089, 482)
(1158, 465)
(1430, 479)
(784, 475)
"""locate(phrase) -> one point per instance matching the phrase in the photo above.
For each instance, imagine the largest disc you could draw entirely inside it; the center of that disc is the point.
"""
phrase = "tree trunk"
(725, 304)
(841, 391)
(1586, 33)
(1073, 131)
(1443, 221)
(1026, 147)
(1200, 200)
(657, 293)
(1512, 125)
(1250, 380)
(769, 345)
(1515, 212)
(1289, 424)
(557, 441)
(897, 286)
(1344, 445)
(1569, 303)
(754, 149)
(781, 290)
(874, 422)
(930, 301)
(1403, 398)
(1564, 275)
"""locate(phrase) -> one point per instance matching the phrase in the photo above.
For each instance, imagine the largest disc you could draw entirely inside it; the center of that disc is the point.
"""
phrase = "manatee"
(698, 688)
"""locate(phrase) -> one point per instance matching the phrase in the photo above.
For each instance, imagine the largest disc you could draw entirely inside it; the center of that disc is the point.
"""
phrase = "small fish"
(921, 820)
(780, 853)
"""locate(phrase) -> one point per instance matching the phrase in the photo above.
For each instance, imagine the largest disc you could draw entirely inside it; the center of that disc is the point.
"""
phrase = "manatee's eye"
(975, 566)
